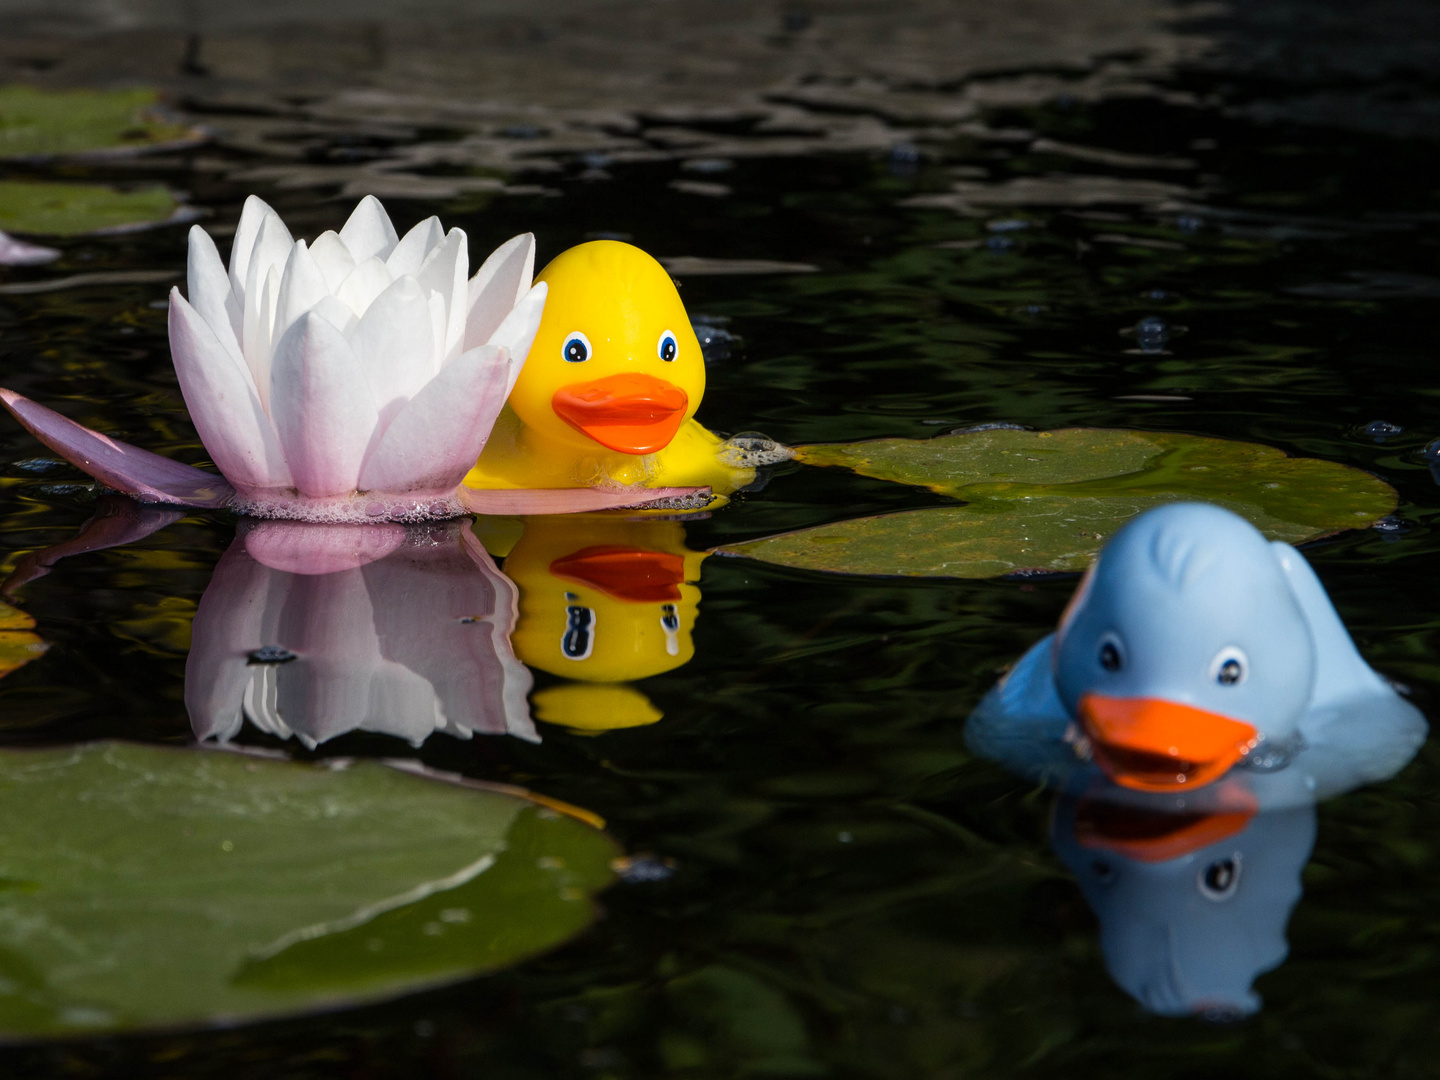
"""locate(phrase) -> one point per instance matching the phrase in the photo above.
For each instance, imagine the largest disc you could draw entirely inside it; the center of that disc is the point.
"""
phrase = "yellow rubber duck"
(604, 600)
(609, 392)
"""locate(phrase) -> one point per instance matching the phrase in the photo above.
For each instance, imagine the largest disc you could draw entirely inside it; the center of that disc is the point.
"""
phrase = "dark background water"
(855, 895)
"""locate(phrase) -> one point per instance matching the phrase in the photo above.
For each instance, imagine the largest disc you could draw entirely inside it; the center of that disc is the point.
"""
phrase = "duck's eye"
(576, 349)
(667, 348)
(1220, 879)
(1111, 658)
(1229, 667)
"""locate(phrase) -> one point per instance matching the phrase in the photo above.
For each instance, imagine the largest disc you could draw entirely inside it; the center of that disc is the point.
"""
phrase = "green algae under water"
(853, 893)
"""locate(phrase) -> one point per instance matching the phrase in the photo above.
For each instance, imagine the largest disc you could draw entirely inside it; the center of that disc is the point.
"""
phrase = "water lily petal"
(149, 477)
(211, 294)
(255, 212)
(323, 410)
(272, 248)
(394, 344)
(337, 313)
(368, 233)
(18, 253)
(434, 440)
(498, 286)
(444, 273)
(333, 258)
(223, 403)
(409, 254)
(302, 548)
(259, 323)
(368, 281)
(517, 332)
(301, 288)
(503, 501)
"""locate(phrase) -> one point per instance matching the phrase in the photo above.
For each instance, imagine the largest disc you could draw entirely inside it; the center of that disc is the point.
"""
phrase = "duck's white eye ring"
(667, 346)
(1230, 666)
(576, 349)
(1218, 880)
(1110, 652)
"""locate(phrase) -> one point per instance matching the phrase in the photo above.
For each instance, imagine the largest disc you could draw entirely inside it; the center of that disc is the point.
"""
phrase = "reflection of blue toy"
(1191, 647)
(1191, 908)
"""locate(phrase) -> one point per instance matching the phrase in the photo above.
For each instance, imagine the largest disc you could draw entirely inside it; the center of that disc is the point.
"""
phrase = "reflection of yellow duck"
(609, 392)
(603, 600)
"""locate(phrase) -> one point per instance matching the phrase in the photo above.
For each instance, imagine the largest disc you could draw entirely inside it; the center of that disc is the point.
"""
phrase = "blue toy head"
(1188, 933)
(1183, 648)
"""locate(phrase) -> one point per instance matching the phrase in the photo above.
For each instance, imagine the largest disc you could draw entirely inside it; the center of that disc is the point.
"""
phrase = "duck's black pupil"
(1219, 876)
(1109, 657)
(575, 351)
(667, 349)
(1230, 672)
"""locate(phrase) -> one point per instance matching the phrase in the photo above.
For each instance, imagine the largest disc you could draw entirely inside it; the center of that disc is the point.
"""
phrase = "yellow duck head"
(615, 362)
(603, 600)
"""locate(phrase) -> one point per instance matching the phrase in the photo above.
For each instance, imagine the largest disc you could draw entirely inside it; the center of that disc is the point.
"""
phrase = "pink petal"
(501, 501)
(251, 218)
(368, 233)
(324, 413)
(394, 345)
(444, 273)
(300, 548)
(301, 288)
(18, 253)
(220, 394)
(409, 254)
(149, 477)
(117, 522)
(517, 332)
(498, 286)
(434, 440)
(210, 292)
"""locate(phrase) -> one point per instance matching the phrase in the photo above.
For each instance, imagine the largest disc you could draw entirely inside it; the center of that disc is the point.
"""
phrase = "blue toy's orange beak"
(1154, 745)
(1154, 836)
(631, 412)
(624, 573)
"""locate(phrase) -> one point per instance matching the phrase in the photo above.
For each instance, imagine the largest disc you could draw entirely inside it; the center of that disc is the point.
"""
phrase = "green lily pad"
(47, 123)
(145, 887)
(54, 209)
(18, 645)
(1047, 500)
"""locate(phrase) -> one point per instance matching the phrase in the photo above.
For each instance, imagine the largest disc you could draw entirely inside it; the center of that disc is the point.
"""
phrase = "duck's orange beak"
(630, 412)
(1153, 836)
(1149, 744)
(624, 573)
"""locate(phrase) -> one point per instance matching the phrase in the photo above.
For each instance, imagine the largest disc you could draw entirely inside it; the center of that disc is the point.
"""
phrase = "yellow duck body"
(604, 600)
(608, 394)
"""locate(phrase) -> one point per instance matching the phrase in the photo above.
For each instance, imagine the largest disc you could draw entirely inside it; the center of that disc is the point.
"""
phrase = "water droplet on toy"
(271, 654)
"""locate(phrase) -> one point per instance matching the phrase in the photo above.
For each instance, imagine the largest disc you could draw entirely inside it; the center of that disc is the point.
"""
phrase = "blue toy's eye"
(1229, 667)
(1111, 658)
(576, 349)
(668, 346)
(1220, 879)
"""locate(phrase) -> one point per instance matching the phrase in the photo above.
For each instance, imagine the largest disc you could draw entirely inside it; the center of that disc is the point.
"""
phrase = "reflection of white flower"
(364, 627)
(353, 378)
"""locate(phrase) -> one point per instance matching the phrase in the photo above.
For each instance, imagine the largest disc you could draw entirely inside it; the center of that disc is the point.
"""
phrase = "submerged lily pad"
(1047, 500)
(54, 209)
(146, 887)
(48, 123)
(18, 645)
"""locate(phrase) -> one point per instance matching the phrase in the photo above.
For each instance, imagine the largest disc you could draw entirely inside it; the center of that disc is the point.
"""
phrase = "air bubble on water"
(999, 243)
(716, 342)
(1189, 223)
(1151, 334)
(1432, 451)
(751, 450)
(271, 654)
(1380, 430)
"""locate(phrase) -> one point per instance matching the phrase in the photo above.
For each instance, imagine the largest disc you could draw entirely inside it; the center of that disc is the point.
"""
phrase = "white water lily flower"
(353, 378)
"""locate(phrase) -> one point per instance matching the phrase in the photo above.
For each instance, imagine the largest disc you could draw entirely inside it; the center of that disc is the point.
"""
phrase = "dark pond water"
(853, 893)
